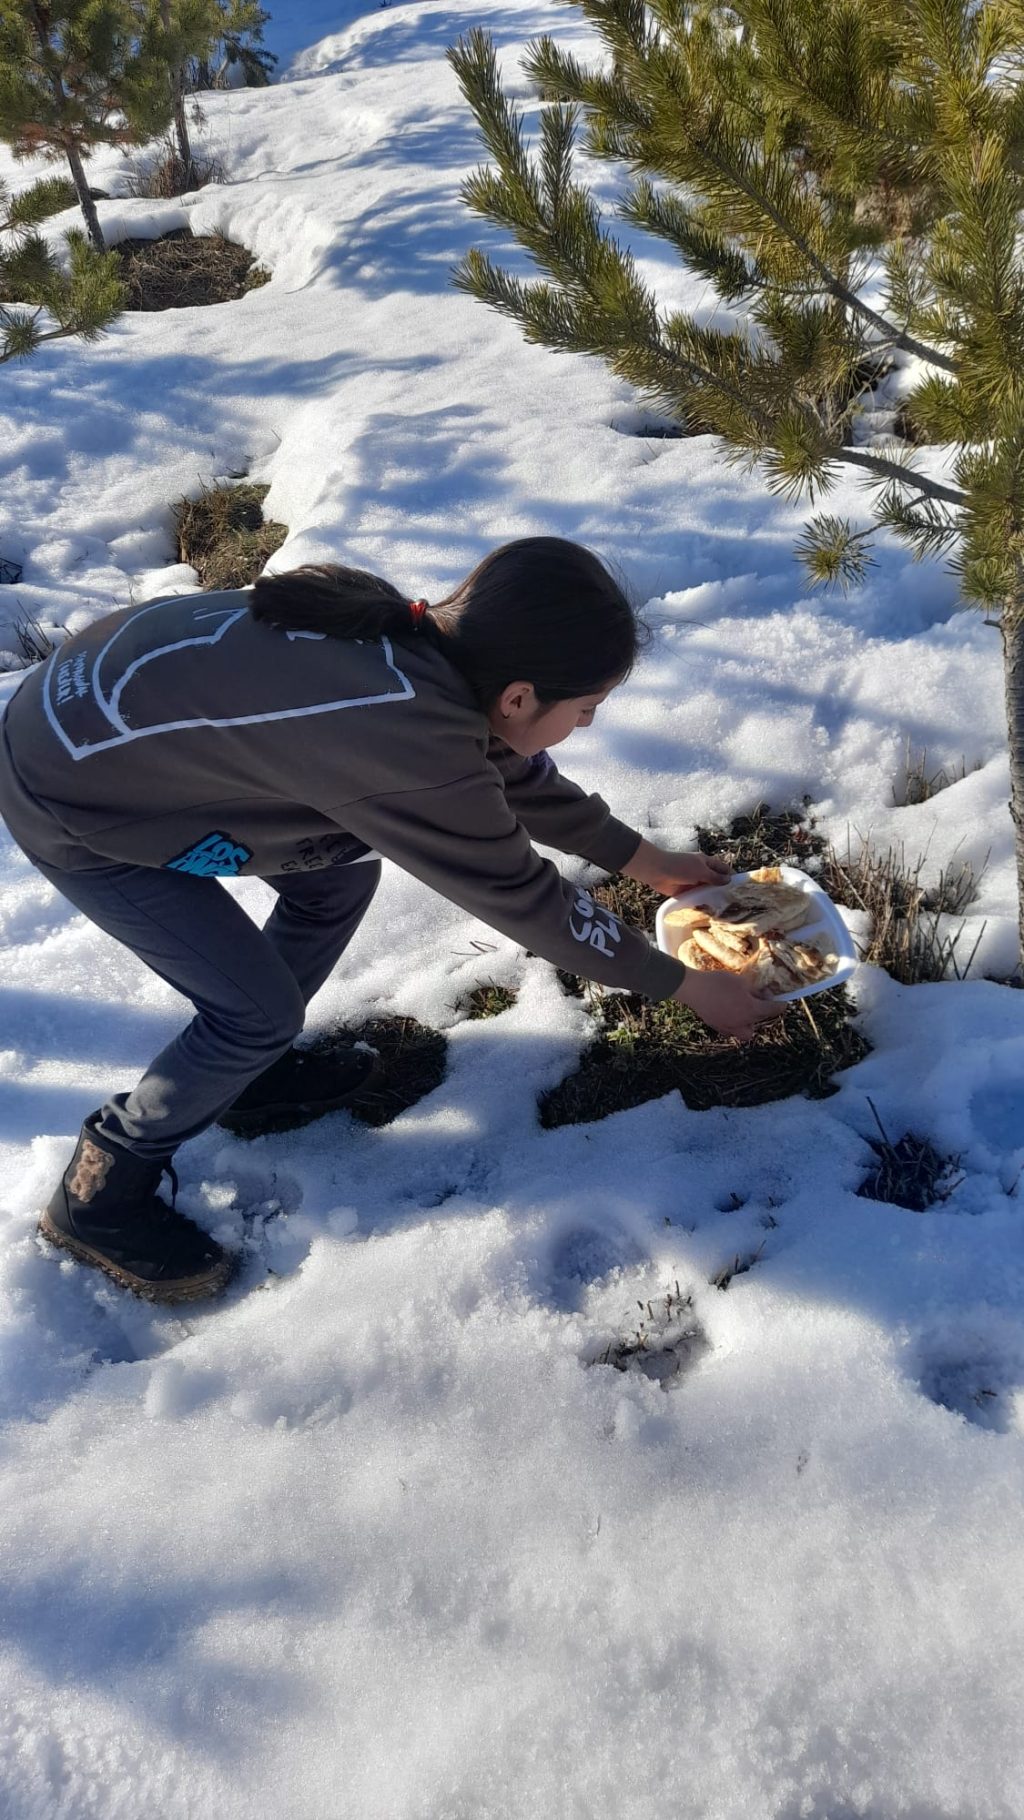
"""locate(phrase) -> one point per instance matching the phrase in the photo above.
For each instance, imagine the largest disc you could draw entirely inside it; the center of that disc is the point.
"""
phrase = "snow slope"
(379, 1537)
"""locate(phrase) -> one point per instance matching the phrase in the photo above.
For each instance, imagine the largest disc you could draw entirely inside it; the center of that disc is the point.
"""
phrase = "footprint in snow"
(975, 1371)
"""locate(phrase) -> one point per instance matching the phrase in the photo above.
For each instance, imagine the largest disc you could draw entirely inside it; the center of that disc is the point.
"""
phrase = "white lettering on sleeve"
(596, 926)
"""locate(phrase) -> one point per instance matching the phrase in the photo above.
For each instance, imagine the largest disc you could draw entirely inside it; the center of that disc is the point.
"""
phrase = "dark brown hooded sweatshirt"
(185, 734)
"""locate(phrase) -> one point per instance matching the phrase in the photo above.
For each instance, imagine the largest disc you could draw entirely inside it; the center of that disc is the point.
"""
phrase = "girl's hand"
(673, 873)
(725, 1003)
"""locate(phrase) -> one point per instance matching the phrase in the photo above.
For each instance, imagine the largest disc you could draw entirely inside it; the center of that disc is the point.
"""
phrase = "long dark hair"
(540, 610)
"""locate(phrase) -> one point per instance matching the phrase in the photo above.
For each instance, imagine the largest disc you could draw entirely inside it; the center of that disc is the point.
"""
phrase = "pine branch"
(48, 197)
(923, 523)
(909, 477)
(833, 553)
(622, 126)
(475, 64)
(700, 246)
(891, 336)
(19, 335)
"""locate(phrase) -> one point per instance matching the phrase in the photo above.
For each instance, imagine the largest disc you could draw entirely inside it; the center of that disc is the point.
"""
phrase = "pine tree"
(238, 39)
(191, 29)
(42, 301)
(76, 74)
(788, 150)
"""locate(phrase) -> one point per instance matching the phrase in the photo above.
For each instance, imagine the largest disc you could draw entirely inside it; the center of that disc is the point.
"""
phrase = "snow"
(379, 1536)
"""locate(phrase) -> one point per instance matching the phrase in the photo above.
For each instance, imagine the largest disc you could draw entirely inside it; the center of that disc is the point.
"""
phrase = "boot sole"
(172, 1289)
(290, 1114)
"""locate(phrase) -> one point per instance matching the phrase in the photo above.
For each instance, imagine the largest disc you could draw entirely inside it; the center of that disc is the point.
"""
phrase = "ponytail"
(539, 610)
(323, 597)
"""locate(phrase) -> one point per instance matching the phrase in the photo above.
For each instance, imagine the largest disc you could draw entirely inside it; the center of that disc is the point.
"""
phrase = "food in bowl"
(747, 931)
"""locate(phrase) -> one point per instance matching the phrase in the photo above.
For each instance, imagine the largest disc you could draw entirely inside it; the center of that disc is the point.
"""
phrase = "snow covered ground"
(377, 1539)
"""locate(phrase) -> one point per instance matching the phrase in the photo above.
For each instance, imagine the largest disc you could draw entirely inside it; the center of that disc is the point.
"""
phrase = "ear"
(515, 700)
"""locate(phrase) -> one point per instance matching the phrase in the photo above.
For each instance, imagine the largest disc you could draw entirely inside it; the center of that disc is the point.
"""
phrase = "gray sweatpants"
(250, 986)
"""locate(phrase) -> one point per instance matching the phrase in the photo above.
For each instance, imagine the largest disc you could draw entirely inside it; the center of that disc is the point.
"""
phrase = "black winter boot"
(299, 1087)
(106, 1212)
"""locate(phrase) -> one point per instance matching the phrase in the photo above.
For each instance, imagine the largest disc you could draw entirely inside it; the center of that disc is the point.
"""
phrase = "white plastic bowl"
(823, 922)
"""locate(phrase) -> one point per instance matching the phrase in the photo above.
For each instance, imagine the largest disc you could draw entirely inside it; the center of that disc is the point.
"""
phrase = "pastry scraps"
(747, 933)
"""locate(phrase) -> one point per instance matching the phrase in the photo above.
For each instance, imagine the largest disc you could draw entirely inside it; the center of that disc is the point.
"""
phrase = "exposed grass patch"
(765, 837)
(646, 1049)
(626, 897)
(910, 1173)
(663, 429)
(413, 1061)
(413, 1056)
(224, 535)
(490, 1001)
(182, 270)
(907, 935)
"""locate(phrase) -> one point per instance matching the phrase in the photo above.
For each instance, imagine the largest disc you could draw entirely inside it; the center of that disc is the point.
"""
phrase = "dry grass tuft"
(666, 1340)
(182, 270)
(910, 1173)
(918, 783)
(908, 936)
(737, 1266)
(168, 175)
(224, 535)
(625, 897)
(30, 644)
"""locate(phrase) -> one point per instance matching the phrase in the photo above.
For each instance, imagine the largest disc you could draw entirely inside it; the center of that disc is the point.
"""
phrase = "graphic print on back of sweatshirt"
(215, 856)
(92, 707)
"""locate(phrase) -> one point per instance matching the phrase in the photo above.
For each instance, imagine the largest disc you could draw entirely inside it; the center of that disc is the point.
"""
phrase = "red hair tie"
(417, 608)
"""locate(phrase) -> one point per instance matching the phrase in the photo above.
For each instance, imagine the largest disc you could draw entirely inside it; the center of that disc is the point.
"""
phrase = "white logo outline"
(123, 735)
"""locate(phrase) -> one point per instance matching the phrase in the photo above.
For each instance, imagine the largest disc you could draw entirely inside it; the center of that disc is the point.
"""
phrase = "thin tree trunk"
(41, 24)
(181, 129)
(86, 203)
(1012, 625)
(180, 122)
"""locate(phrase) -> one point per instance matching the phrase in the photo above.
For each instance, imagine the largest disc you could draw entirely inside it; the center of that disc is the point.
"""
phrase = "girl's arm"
(557, 812)
(464, 840)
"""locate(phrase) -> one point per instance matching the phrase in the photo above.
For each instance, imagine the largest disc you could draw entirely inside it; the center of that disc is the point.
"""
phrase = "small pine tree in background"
(789, 151)
(191, 31)
(77, 74)
(40, 300)
(238, 44)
